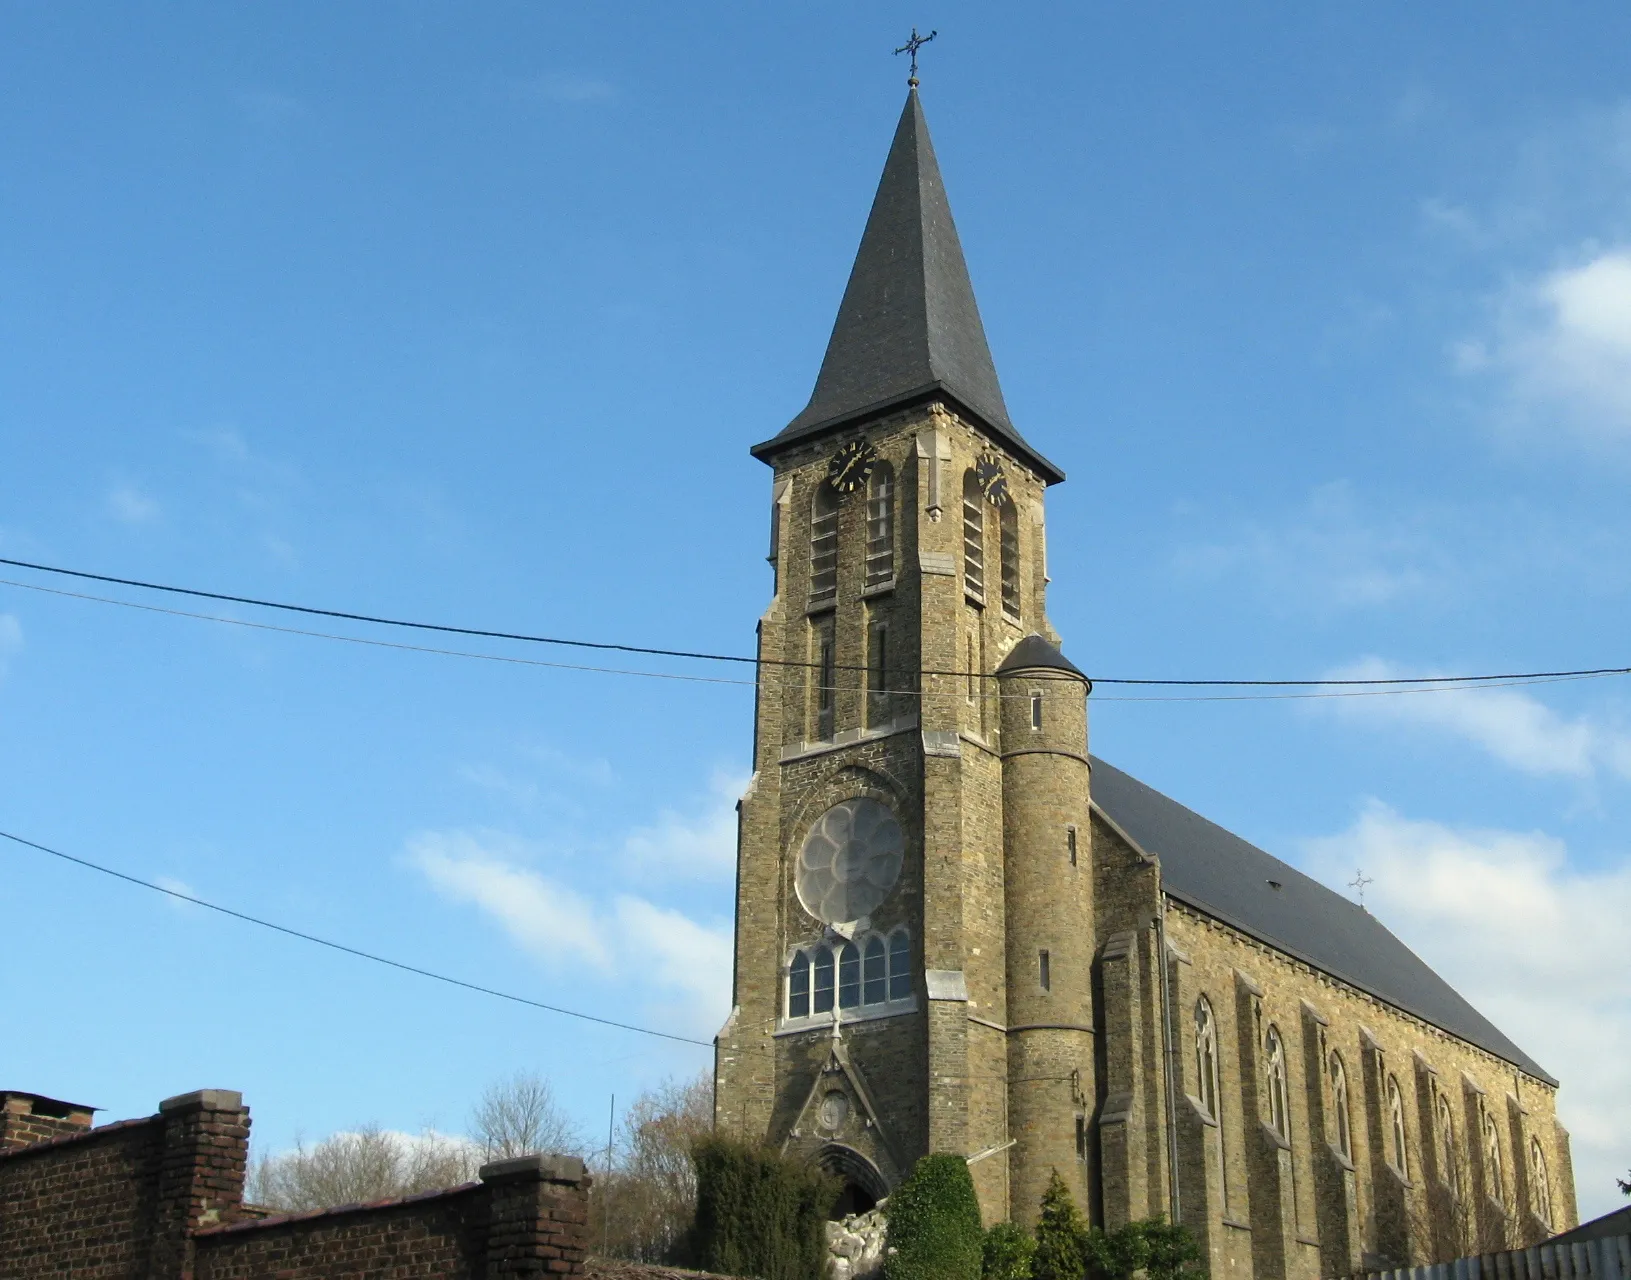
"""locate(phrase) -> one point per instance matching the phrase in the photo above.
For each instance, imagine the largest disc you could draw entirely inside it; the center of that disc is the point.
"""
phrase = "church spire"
(908, 327)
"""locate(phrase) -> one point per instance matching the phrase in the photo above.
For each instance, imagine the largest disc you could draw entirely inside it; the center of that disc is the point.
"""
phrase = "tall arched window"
(1277, 1083)
(1446, 1142)
(900, 965)
(798, 987)
(823, 980)
(1395, 1111)
(1206, 1056)
(875, 975)
(824, 544)
(1008, 551)
(973, 538)
(849, 976)
(1540, 1188)
(870, 971)
(1339, 1104)
(880, 525)
(1494, 1182)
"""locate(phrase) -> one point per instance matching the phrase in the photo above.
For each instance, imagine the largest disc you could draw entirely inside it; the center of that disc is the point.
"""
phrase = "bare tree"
(518, 1116)
(368, 1163)
(642, 1207)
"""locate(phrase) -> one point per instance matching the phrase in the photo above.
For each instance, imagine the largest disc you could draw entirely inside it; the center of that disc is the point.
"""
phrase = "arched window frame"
(1279, 1102)
(973, 538)
(1398, 1148)
(1494, 1181)
(880, 525)
(1339, 1104)
(1446, 1141)
(1540, 1186)
(1206, 1056)
(868, 975)
(1008, 556)
(823, 544)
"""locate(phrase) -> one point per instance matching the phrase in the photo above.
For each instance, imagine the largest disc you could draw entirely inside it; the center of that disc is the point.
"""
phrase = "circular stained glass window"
(850, 861)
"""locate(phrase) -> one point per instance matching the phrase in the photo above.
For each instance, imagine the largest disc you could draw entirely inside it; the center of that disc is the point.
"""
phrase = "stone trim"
(1045, 751)
(946, 984)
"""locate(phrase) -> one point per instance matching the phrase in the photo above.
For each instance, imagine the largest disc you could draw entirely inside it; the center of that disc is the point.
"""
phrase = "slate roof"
(1034, 653)
(1221, 875)
(908, 327)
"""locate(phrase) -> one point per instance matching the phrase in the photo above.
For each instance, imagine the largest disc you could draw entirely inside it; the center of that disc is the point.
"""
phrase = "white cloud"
(11, 640)
(1513, 726)
(682, 968)
(129, 505)
(701, 845)
(1538, 947)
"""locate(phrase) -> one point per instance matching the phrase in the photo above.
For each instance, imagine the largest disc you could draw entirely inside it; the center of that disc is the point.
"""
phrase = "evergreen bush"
(1161, 1250)
(1008, 1253)
(934, 1223)
(758, 1213)
(1061, 1235)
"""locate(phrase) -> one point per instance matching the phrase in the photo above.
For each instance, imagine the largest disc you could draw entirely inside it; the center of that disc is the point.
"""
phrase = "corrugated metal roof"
(1222, 875)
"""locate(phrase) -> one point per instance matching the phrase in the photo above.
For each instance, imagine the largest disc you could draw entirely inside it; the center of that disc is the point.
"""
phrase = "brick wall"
(161, 1198)
(27, 1118)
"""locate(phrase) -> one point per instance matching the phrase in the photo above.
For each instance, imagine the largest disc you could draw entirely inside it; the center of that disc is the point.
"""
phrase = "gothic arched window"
(973, 538)
(900, 965)
(1277, 1083)
(798, 987)
(1008, 552)
(880, 525)
(849, 976)
(875, 973)
(1395, 1112)
(823, 980)
(1446, 1141)
(823, 544)
(1206, 1056)
(1494, 1183)
(1339, 1104)
(1540, 1189)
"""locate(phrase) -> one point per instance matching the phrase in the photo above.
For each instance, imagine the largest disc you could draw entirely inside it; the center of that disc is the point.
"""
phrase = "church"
(958, 930)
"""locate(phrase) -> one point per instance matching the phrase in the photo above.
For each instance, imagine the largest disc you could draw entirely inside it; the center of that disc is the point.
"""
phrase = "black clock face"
(988, 475)
(851, 465)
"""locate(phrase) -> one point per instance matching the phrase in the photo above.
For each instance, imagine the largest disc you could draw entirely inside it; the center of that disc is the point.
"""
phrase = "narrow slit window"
(1036, 710)
(969, 668)
(798, 987)
(823, 544)
(973, 538)
(1008, 555)
(1081, 1137)
(823, 980)
(900, 965)
(875, 975)
(849, 976)
(880, 525)
(1070, 843)
(1045, 966)
(877, 667)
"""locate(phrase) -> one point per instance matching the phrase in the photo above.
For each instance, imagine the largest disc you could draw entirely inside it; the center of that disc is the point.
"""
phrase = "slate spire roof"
(908, 327)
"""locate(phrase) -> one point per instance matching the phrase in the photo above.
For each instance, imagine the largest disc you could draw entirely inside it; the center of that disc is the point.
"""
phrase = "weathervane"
(911, 47)
(1359, 882)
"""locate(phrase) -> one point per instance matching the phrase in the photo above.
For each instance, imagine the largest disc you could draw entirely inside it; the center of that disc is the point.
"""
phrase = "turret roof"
(1035, 653)
(908, 328)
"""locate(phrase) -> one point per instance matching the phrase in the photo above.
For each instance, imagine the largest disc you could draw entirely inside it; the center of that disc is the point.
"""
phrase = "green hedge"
(934, 1223)
(758, 1213)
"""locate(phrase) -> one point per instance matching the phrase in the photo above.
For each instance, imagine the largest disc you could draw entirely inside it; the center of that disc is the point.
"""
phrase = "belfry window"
(1277, 1083)
(1395, 1112)
(1446, 1142)
(1339, 1104)
(880, 525)
(877, 677)
(870, 971)
(973, 539)
(1206, 1056)
(1008, 549)
(1540, 1189)
(826, 677)
(823, 544)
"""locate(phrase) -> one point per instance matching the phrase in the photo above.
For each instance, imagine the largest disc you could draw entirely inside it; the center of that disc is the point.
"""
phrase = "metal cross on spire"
(1359, 882)
(911, 47)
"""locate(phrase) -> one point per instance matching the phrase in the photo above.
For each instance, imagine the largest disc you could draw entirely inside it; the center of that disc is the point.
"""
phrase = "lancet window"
(1540, 1189)
(824, 544)
(1395, 1112)
(1339, 1104)
(871, 971)
(1276, 1065)
(880, 525)
(1206, 1055)
(1493, 1182)
(1008, 552)
(1446, 1142)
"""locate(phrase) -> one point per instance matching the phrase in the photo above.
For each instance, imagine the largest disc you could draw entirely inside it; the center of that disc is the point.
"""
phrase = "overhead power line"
(351, 951)
(703, 656)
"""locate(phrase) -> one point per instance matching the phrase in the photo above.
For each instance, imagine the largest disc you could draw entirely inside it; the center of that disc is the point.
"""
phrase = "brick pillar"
(537, 1216)
(202, 1160)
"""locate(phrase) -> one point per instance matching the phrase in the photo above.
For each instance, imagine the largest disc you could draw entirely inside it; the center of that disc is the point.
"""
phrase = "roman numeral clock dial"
(851, 465)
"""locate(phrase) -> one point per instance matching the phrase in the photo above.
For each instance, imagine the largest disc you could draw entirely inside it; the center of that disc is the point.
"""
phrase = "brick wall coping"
(334, 1211)
(84, 1135)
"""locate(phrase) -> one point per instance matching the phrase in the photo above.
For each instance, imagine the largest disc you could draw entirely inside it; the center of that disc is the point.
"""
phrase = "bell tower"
(914, 923)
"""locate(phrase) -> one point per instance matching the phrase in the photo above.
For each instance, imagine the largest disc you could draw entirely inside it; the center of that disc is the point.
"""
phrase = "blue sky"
(470, 313)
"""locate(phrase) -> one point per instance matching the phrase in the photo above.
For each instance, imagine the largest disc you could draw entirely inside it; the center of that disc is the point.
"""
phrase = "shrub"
(934, 1223)
(1162, 1250)
(1061, 1235)
(1008, 1253)
(758, 1213)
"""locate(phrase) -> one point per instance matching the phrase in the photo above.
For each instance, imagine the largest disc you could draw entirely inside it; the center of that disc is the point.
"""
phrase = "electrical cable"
(611, 646)
(353, 951)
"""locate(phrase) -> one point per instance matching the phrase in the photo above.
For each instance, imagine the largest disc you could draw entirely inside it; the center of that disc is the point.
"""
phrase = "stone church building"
(958, 930)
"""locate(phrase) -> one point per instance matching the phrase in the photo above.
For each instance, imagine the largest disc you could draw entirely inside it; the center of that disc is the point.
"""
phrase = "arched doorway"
(863, 1184)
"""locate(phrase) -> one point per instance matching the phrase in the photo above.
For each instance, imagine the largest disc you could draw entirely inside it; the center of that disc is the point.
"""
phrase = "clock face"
(851, 465)
(989, 476)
